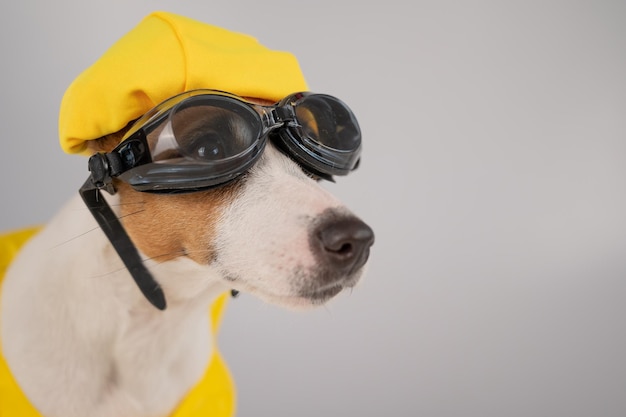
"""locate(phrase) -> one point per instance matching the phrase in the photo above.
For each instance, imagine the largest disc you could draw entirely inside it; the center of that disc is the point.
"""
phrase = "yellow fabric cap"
(164, 55)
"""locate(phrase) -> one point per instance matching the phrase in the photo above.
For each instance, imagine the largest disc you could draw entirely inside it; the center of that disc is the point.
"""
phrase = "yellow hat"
(164, 55)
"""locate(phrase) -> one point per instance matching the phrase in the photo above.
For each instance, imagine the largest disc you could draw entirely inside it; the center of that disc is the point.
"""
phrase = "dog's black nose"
(344, 243)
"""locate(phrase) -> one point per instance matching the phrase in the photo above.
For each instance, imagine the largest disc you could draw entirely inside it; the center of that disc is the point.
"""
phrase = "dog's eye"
(208, 146)
(212, 135)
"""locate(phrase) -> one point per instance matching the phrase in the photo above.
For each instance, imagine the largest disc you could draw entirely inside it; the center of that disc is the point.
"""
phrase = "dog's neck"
(91, 330)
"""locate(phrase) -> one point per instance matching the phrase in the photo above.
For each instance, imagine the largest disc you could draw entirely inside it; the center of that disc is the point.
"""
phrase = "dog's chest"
(158, 360)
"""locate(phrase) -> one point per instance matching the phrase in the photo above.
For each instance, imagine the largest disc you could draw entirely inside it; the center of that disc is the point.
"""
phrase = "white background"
(493, 174)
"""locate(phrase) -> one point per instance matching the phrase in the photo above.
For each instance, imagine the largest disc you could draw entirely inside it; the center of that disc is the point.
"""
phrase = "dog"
(81, 339)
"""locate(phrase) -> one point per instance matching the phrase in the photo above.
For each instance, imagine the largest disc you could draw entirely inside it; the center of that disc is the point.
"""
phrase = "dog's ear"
(108, 142)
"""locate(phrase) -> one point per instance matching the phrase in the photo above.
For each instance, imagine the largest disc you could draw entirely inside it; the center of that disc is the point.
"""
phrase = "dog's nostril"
(345, 242)
(345, 249)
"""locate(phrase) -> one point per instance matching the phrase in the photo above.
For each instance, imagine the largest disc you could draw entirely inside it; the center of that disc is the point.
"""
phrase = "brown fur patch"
(167, 226)
(109, 142)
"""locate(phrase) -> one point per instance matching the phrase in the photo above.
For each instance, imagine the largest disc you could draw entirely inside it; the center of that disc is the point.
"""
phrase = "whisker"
(85, 206)
(128, 203)
(131, 214)
(115, 271)
(74, 238)
(95, 228)
(325, 306)
(176, 254)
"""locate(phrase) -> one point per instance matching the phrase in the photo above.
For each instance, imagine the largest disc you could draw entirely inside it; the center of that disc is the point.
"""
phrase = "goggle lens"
(207, 129)
(328, 122)
(204, 138)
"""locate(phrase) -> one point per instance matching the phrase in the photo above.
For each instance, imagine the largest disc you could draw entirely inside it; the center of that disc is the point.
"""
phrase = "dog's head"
(273, 231)
(250, 211)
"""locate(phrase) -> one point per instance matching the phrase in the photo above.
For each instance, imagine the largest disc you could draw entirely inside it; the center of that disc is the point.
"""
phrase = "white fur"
(282, 246)
(82, 341)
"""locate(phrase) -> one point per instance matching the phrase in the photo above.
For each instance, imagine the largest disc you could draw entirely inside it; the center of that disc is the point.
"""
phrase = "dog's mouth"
(313, 293)
(322, 295)
(326, 286)
(307, 298)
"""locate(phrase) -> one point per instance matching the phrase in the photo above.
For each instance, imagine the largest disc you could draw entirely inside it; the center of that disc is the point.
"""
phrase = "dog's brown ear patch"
(108, 142)
(167, 226)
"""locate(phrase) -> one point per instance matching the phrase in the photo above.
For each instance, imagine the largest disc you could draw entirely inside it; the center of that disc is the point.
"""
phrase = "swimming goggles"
(202, 139)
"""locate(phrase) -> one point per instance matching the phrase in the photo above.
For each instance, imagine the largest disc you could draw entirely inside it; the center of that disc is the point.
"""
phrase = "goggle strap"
(114, 231)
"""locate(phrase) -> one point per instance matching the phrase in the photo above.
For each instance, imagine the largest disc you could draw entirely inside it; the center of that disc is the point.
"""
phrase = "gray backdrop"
(493, 174)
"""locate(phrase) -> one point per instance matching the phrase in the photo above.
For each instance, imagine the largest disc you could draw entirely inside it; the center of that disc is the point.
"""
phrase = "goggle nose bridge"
(278, 117)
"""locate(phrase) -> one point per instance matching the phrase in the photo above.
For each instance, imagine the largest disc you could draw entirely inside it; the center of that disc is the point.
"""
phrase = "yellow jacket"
(213, 396)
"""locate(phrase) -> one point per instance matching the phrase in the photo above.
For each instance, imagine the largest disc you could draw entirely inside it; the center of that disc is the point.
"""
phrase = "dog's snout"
(344, 243)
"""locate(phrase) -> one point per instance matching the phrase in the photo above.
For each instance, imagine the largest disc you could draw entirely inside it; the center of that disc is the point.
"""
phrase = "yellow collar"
(213, 396)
